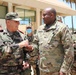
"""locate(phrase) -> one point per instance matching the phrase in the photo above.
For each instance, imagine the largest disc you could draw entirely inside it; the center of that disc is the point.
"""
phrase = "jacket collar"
(52, 27)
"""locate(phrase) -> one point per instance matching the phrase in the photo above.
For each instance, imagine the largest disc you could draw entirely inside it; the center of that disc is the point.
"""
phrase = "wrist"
(62, 73)
(20, 45)
(14, 46)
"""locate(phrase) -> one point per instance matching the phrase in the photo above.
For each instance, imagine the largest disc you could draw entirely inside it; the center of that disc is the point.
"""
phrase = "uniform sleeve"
(68, 50)
(6, 46)
(16, 46)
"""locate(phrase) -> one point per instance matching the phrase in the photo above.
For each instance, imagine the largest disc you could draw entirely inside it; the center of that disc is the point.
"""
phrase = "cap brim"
(17, 19)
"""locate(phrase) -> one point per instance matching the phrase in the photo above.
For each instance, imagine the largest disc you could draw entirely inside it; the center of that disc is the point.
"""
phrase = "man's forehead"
(13, 21)
(46, 12)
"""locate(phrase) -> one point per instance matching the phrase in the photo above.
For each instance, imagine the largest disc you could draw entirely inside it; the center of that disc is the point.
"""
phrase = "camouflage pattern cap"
(12, 16)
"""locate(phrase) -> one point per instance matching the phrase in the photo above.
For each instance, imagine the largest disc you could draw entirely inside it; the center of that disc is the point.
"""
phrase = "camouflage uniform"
(55, 48)
(32, 58)
(73, 70)
(11, 56)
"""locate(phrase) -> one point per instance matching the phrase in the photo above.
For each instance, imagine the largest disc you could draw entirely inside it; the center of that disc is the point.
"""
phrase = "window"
(28, 16)
(3, 11)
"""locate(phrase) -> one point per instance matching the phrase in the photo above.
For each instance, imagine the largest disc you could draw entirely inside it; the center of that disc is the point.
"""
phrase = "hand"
(25, 65)
(23, 43)
(61, 73)
(29, 48)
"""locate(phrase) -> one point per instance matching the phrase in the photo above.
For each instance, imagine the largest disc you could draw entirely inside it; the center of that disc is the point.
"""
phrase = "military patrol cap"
(12, 16)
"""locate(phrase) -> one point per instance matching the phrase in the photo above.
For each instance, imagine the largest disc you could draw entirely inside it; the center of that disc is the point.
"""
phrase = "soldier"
(32, 56)
(59, 18)
(12, 46)
(29, 33)
(55, 45)
(73, 69)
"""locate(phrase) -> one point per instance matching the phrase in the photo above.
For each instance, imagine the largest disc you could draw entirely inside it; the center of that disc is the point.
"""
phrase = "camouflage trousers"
(27, 71)
(73, 70)
(50, 73)
(10, 74)
(13, 70)
(33, 68)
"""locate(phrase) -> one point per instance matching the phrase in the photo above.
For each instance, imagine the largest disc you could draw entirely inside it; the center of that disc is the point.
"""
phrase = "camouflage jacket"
(55, 48)
(10, 53)
(74, 45)
(33, 55)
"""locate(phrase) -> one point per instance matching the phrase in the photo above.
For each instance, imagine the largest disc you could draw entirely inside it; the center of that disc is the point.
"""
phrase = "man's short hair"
(12, 16)
(28, 26)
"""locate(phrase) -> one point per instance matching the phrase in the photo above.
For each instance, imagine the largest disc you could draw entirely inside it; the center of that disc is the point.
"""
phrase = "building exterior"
(72, 4)
(31, 11)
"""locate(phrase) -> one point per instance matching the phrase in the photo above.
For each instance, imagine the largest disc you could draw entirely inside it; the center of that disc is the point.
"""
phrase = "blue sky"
(68, 19)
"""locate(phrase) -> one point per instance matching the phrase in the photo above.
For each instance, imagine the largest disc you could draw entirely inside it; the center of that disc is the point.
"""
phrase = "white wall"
(2, 23)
